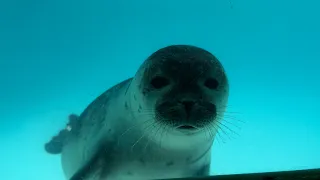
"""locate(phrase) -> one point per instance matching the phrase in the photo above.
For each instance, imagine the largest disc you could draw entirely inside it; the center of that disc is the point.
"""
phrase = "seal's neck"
(185, 142)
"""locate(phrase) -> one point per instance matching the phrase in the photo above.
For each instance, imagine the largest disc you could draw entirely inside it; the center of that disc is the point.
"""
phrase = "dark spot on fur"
(109, 130)
(129, 173)
(134, 97)
(127, 88)
(170, 163)
(139, 109)
(145, 91)
(126, 105)
(188, 159)
(142, 161)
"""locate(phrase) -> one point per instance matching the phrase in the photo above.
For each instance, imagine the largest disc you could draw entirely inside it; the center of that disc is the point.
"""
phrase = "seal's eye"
(211, 83)
(159, 82)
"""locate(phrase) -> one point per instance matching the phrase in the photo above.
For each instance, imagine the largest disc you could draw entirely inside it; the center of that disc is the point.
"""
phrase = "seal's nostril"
(188, 105)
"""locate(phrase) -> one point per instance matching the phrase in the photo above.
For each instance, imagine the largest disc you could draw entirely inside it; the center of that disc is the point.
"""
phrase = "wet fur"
(119, 138)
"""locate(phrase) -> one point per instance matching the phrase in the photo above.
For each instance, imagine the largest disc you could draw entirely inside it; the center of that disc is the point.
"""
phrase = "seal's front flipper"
(55, 145)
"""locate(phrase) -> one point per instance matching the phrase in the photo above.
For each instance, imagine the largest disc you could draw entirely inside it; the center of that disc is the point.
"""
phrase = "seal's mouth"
(186, 127)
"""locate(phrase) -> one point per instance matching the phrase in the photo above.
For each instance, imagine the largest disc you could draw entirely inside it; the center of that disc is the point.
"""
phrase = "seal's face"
(186, 86)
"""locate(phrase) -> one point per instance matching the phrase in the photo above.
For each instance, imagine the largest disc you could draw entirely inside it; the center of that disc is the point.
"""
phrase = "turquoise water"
(57, 56)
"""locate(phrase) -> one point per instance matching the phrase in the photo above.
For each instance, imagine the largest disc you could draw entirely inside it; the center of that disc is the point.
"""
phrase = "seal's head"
(184, 87)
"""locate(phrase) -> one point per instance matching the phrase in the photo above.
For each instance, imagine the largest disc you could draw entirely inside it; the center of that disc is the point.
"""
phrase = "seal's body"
(159, 124)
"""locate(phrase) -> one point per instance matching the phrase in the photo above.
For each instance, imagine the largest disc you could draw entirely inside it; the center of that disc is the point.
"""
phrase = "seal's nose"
(188, 105)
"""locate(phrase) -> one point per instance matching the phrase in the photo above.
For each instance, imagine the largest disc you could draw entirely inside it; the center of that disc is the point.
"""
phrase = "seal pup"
(159, 124)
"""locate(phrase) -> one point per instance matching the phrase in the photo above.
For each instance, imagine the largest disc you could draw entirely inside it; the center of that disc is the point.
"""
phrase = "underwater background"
(58, 56)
